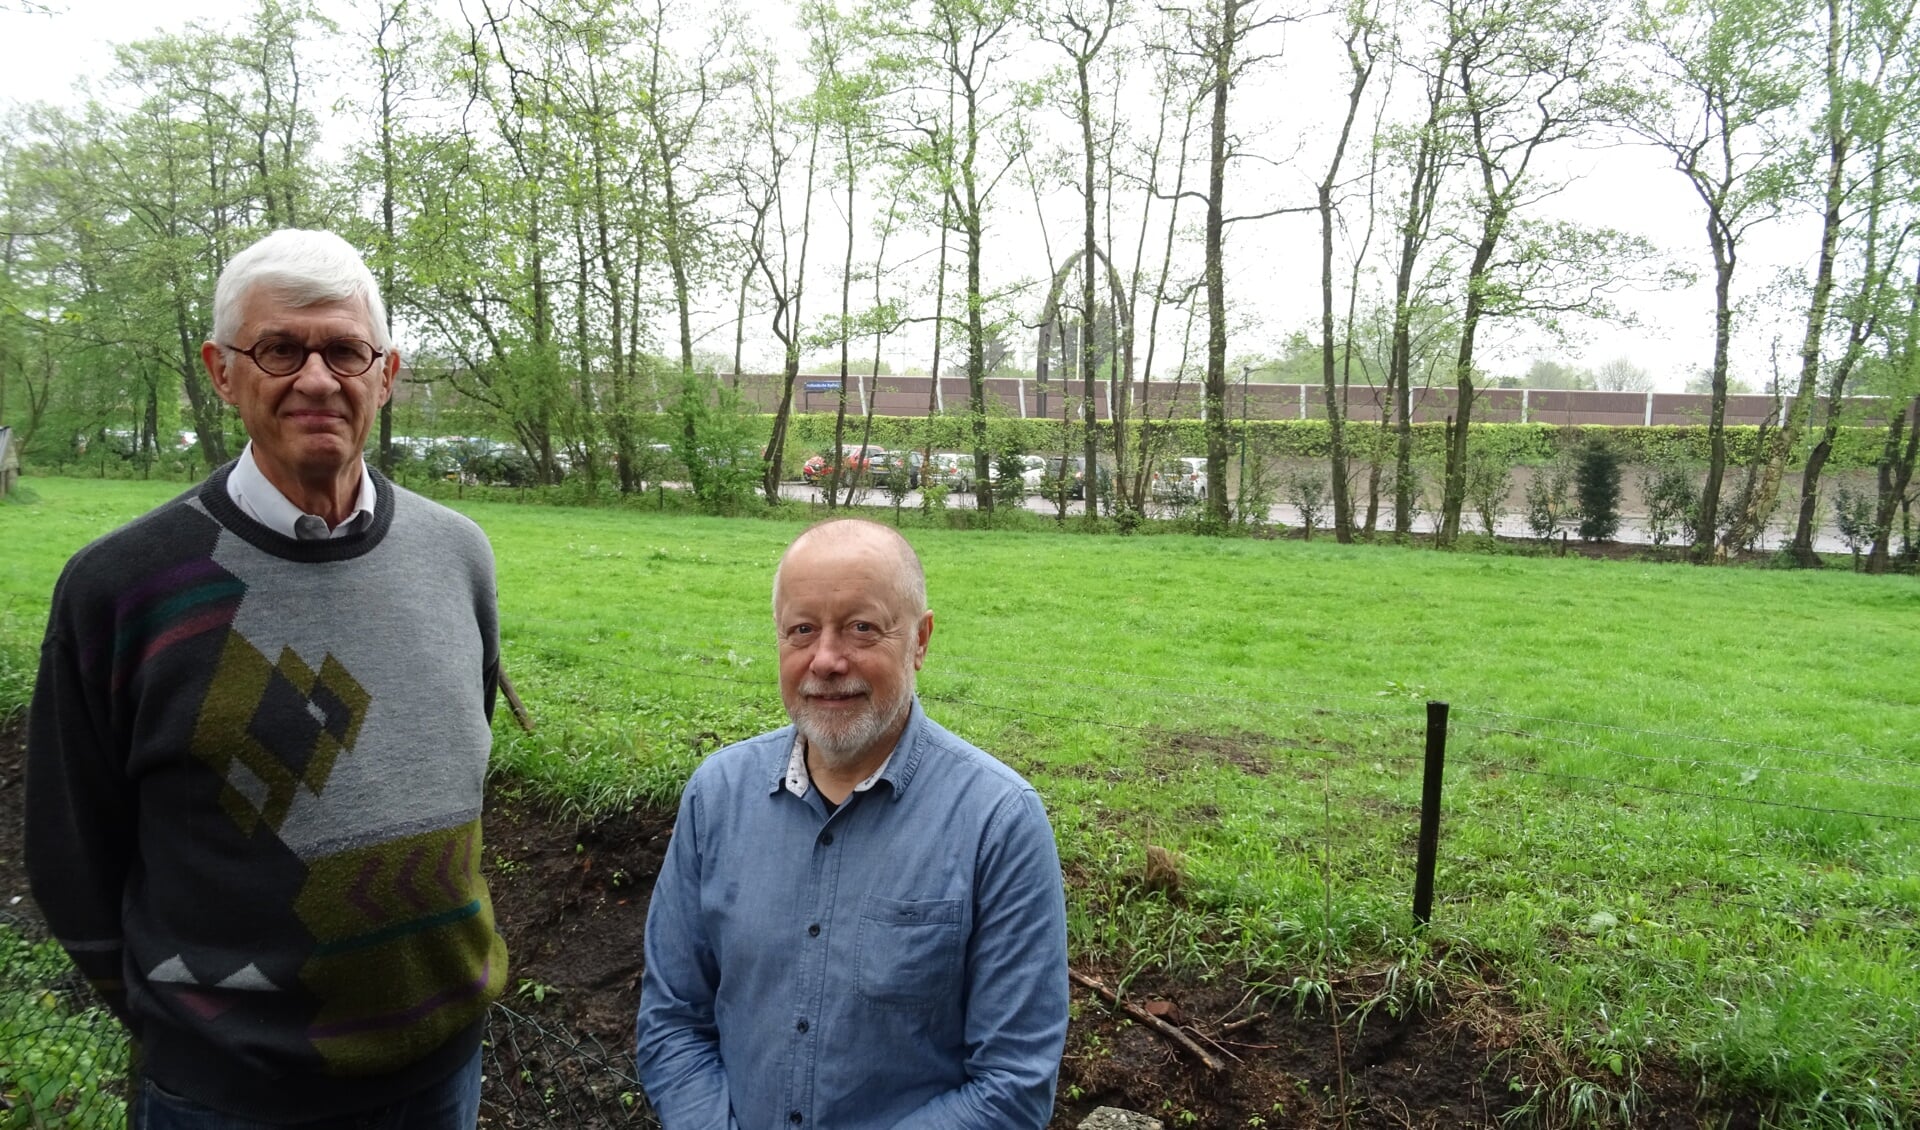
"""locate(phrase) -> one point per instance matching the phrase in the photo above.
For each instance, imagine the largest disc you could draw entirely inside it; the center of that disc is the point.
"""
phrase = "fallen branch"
(1151, 1021)
(513, 700)
(1243, 1022)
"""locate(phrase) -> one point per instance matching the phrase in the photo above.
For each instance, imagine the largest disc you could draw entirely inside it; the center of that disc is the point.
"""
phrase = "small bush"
(1672, 497)
(1547, 504)
(1416, 496)
(1853, 514)
(715, 439)
(1597, 474)
(898, 482)
(1253, 508)
(1307, 490)
(1489, 474)
(1009, 489)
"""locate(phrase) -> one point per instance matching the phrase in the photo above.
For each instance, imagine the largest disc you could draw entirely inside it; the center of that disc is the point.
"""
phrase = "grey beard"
(839, 747)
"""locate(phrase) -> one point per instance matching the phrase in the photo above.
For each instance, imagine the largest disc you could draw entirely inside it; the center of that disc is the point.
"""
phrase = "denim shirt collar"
(901, 764)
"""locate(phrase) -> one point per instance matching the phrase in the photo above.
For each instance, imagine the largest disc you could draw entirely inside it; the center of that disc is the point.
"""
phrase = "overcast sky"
(47, 45)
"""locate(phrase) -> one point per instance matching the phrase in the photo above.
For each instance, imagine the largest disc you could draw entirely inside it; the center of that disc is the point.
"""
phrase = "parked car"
(1183, 479)
(1077, 469)
(884, 464)
(854, 457)
(953, 470)
(1033, 469)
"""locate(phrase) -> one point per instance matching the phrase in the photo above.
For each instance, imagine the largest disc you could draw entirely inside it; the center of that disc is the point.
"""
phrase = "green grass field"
(1681, 811)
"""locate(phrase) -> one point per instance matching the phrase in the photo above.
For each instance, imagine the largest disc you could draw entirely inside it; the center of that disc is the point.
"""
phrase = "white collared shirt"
(799, 780)
(260, 500)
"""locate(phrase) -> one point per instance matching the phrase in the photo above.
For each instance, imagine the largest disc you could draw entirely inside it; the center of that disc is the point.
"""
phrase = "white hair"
(307, 268)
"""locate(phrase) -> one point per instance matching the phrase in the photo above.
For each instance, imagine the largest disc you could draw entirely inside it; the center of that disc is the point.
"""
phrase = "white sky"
(1274, 264)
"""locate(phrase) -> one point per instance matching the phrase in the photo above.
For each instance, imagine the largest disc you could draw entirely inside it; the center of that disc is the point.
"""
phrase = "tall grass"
(1681, 805)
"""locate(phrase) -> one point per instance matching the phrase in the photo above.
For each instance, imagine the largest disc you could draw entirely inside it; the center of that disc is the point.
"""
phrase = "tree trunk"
(1454, 497)
(1336, 411)
(1895, 475)
(1706, 547)
(1091, 491)
(970, 220)
(1215, 395)
(1776, 454)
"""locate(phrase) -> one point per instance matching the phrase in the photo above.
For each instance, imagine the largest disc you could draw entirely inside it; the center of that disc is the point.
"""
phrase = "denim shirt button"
(813, 931)
(800, 1027)
(793, 1116)
(826, 839)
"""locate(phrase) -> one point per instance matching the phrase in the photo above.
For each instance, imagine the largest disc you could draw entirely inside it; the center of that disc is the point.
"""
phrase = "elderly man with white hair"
(860, 923)
(258, 743)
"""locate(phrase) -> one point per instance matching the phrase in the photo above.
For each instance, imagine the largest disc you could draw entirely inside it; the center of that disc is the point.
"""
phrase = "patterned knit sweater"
(255, 772)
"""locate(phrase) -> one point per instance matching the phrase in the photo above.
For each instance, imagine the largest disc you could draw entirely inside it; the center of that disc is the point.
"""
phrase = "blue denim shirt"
(900, 962)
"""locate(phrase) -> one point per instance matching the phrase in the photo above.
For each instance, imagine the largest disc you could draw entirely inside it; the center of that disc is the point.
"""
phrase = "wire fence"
(539, 1075)
(1763, 784)
(63, 1062)
(63, 1059)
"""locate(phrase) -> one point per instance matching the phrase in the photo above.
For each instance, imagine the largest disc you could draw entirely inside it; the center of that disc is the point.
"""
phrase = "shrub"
(1009, 489)
(897, 483)
(1416, 496)
(1547, 499)
(1853, 514)
(717, 441)
(1672, 498)
(1307, 490)
(1488, 476)
(1597, 474)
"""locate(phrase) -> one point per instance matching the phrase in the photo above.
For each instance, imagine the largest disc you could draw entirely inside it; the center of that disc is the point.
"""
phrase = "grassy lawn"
(1681, 811)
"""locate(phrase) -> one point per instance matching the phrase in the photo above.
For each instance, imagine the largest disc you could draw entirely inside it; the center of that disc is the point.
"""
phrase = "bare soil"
(571, 900)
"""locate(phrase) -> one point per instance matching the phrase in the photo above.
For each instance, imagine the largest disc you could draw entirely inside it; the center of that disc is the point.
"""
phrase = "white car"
(1183, 479)
(1033, 468)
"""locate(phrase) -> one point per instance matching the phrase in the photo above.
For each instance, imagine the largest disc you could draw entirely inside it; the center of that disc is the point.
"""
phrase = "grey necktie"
(310, 527)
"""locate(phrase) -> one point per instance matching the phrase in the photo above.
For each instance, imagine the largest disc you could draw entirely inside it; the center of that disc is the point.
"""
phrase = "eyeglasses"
(285, 356)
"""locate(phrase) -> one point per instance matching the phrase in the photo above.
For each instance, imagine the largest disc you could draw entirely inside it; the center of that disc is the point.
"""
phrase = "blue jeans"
(451, 1104)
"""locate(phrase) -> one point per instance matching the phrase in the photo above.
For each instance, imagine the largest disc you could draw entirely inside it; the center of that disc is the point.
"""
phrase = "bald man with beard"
(861, 919)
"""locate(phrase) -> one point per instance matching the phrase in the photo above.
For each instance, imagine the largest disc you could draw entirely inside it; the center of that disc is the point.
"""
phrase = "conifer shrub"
(1596, 476)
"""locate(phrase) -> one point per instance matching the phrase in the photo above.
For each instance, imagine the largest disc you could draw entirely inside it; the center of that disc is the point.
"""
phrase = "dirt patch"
(1459, 1063)
(16, 906)
(1175, 750)
(576, 930)
(571, 899)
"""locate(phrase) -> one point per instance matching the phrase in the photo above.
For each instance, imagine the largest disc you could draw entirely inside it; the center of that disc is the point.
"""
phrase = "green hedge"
(1515, 443)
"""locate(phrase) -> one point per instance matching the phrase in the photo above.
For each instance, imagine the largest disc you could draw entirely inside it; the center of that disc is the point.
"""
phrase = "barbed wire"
(1066, 673)
(1803, 917)
(947, 660)
(1144, 731)
(62, 1056)
(540, 1075)
(1676, 736)
(761, 686)
(1703, 763)
(1717, 797)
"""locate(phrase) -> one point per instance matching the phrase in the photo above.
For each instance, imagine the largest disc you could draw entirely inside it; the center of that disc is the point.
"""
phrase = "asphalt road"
(1633, 529)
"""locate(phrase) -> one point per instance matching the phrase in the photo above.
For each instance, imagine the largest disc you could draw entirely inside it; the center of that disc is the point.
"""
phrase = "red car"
(858, 459)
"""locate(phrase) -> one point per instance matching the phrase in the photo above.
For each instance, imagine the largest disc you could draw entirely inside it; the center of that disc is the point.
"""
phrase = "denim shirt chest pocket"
(910, 952)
